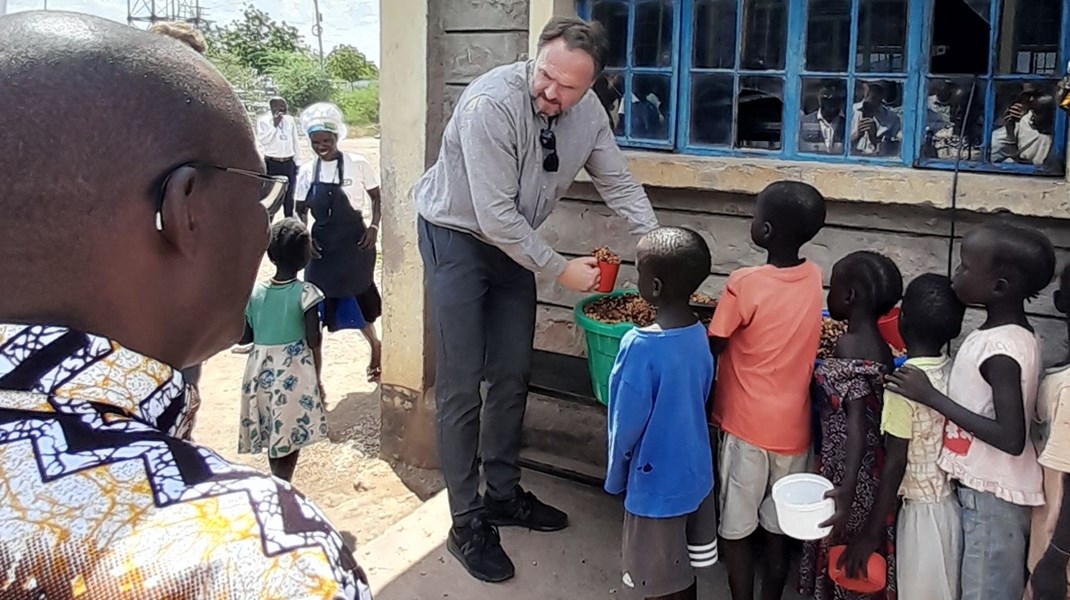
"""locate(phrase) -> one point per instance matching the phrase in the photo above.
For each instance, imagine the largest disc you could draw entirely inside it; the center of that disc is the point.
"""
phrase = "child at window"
(928, 535)
(282, 398)
(1049, 538)
(990, 404)
(659, 442)
(849, 392)
(766, 329)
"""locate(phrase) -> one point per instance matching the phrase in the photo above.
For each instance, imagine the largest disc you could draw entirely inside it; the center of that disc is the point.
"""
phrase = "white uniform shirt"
(359, 177)
(277, 142)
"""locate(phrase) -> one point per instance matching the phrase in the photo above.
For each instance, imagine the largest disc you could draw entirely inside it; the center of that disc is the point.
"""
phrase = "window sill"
(984, 193)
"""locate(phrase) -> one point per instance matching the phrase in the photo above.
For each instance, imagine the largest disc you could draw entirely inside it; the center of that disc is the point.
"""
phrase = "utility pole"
(317, 29)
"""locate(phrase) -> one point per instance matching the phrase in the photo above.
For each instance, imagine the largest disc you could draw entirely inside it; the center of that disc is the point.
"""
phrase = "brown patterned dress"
(838, 382)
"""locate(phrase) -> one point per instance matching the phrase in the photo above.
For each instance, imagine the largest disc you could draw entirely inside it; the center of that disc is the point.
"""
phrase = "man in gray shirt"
(517, 139)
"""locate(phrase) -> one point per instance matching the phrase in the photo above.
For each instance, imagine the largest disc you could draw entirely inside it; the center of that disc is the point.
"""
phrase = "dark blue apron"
(344, 269)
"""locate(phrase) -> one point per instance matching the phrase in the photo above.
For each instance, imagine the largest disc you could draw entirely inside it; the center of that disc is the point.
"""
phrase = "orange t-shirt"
(771, 318)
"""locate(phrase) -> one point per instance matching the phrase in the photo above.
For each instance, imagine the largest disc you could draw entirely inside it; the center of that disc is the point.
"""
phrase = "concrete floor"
(410, 561)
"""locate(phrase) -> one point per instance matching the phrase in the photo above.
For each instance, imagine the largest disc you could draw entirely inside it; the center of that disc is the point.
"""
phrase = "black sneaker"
(479, 548)
(525, 510)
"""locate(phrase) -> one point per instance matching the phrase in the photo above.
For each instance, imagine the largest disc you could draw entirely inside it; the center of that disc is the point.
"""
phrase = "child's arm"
(856, 449)
(859, 548)
(1006, 432)
(314, 339)
(1049, 576)
(247, 335)
(630, 406)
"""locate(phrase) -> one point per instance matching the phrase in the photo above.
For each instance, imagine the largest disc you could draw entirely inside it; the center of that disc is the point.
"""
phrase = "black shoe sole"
(501, 521)
(456, 552)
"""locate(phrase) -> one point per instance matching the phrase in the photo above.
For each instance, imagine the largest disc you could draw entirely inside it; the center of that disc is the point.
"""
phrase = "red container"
(609, 276)
(874, 581)
(889, 328)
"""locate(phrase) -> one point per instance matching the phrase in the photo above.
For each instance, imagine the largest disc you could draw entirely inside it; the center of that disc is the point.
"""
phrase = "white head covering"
(324, 116)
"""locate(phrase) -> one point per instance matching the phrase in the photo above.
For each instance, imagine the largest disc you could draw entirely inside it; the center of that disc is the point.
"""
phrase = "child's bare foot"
(375, 367)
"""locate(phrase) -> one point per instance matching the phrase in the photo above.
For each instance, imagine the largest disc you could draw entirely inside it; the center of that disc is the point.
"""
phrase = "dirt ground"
(344, 477)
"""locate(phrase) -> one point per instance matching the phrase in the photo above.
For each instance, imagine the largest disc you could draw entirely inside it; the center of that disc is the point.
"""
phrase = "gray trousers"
(483, 313)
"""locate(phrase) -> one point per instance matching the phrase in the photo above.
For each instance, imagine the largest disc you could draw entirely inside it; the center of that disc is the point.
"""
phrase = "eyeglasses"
(271, 187)
(548, 141)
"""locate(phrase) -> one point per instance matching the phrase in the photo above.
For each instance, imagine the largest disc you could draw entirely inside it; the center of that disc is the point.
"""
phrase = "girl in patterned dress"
(848, 396)
(282, 397)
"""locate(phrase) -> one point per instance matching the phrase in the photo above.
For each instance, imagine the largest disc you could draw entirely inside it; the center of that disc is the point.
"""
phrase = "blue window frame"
(872, 81)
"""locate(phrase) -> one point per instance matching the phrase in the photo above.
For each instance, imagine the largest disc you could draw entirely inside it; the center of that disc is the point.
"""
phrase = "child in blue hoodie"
(659, 444)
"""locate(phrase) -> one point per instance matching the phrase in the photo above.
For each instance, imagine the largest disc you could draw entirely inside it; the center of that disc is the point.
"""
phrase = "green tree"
(349, 64)
(254, 39)
(298, 78)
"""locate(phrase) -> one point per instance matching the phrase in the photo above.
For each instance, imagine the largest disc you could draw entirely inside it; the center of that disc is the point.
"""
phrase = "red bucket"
(608, 279)
(874, 580)
(889, 328)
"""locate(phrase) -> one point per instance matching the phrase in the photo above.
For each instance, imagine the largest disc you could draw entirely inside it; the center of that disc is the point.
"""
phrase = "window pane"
(947, 124)
(653, 34)
(650, 109)
(824, 120)
(877, 118)
(764, 34)
(614, 18)
(715, 34)
(882, 34)
(1029, 36)
(1024, 124)
(961, 30)
(610, 89)
(760, 116)
(828, 35)
(711, 109)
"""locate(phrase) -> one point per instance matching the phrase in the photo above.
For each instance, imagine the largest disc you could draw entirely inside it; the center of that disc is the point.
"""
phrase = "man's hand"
(581, 274)
(911, 382)
(371, 234)
(278, 117)
(868, 126)
(1015, 112)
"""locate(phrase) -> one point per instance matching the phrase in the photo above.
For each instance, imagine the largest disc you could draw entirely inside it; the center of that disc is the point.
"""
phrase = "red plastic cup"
(889, 328)
(873, 581)
(609, 276)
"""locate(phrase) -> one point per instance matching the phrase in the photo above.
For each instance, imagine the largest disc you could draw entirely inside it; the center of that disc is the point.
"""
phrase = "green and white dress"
(281, 407)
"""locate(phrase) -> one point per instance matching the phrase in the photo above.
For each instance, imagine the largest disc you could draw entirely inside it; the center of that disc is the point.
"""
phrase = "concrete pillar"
(431, 49)
(408, 435)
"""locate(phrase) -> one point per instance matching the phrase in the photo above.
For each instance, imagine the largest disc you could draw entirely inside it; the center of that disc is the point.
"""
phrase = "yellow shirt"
(923, 481)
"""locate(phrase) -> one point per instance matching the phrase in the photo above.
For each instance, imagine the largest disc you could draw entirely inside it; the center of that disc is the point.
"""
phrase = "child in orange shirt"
(766, 330)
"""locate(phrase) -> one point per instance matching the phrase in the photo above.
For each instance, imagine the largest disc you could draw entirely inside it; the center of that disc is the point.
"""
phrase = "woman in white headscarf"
(339, 189)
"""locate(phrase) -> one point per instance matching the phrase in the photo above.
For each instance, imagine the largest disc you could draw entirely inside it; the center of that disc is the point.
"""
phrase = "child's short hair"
(794, 208)
(678, 256)
(933, 309)
(880, 276)
(1026, 253)
(290, 245)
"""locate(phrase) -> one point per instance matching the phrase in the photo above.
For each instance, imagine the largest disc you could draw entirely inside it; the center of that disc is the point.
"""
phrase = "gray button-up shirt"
(489, 180)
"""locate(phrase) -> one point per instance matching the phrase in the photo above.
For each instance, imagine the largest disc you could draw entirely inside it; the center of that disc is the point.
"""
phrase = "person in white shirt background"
(339, 188)
(277, 139)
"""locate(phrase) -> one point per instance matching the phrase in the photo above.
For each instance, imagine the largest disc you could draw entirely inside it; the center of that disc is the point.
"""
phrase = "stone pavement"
(410, 561)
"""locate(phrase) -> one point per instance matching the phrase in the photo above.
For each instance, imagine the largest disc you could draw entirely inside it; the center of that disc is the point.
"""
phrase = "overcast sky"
(354, 22)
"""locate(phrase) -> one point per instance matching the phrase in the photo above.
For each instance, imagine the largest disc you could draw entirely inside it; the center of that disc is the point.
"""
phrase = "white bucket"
(801, 505)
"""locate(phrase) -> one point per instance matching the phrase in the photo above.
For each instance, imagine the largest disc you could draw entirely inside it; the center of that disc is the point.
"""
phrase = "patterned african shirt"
(101, 497)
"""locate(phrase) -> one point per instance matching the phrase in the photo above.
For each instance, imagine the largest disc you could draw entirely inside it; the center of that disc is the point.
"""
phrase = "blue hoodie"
(659, 442)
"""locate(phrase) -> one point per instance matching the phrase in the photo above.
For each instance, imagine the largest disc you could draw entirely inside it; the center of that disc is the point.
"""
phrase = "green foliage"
(349, 64)
(298, 78)
(254, 39)
(360, 106)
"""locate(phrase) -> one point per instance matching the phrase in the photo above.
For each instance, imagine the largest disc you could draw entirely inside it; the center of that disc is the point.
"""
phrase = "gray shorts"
(747, 474)
(660, 555)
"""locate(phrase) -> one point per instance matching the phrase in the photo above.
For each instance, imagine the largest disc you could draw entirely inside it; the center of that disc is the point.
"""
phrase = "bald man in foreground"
(122, 262)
